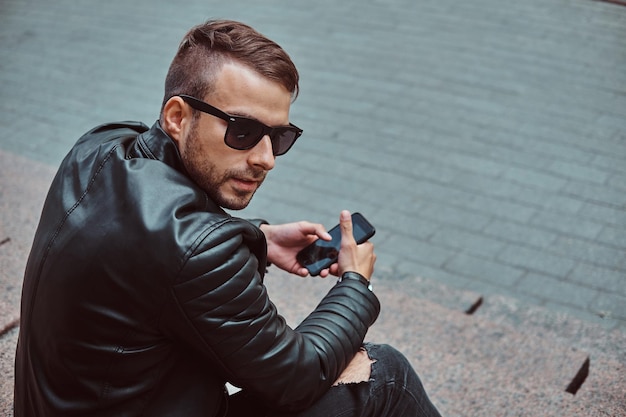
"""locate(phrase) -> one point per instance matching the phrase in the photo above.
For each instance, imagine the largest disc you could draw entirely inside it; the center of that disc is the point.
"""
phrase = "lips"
(245, 184)
(246, 181)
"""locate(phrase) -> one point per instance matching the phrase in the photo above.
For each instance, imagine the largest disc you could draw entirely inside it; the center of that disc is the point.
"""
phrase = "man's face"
(230, 176)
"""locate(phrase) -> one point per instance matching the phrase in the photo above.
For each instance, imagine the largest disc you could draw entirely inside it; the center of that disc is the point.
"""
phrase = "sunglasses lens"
(282, 140)
(243, 134)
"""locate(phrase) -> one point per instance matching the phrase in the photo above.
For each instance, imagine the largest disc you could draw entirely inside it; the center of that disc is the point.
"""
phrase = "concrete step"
(504, 359)
(8, 342)
(23, 188)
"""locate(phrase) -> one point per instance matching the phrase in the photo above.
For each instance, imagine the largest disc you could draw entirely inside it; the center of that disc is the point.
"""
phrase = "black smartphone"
(321, 254)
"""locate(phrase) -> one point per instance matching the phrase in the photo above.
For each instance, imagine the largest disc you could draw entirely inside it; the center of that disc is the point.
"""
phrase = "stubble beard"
(205, 173)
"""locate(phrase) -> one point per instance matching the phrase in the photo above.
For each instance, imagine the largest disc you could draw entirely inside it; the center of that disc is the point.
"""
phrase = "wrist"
(351, 275)
(265, 228)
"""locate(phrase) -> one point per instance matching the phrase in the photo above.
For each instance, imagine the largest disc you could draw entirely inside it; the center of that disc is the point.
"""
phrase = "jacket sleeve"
(223, 311)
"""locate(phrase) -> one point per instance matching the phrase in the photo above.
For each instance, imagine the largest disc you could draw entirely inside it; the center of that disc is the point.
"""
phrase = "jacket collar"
(157, 144)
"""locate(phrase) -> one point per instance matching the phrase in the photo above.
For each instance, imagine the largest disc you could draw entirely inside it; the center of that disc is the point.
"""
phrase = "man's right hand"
(353, 257)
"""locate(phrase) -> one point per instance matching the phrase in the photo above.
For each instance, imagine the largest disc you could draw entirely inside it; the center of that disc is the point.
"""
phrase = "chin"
(235, 206)
(234, 203)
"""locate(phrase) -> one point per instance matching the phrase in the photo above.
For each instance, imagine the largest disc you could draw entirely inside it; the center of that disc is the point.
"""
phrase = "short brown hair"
(206, 47)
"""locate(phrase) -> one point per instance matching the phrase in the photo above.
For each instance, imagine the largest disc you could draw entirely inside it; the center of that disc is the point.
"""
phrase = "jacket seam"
(196, 243)
(64, 220)
(145, 148)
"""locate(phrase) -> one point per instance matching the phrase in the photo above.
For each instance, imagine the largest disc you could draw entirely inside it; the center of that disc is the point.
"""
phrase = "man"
(143, 297)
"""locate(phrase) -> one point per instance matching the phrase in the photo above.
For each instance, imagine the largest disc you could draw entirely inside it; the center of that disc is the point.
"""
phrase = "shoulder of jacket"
(117, 129)
(224, 240)
(218, 229)
(105, 137)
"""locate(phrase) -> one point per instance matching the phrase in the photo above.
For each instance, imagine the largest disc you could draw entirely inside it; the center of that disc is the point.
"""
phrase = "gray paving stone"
(470, 242)
(506, 147)
(411, 267)
(407, 224)
(610, 280)
(588, 251)
(479, 165)
(561, 292)
(613, 161)
(511, 191)
(608, 215)
(520, 233)
(447, 214)
(490, 289)
(418, 251)
(578, 172)
(598, 194)
(555, 202)
(483, 269)
(610, 305)
(618, 181)
(501, 208)
(615, 236)
(567, 224)
(535, 179)
(536, 260)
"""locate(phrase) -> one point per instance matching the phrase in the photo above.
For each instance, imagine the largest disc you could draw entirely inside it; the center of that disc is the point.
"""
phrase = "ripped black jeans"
(394, 390)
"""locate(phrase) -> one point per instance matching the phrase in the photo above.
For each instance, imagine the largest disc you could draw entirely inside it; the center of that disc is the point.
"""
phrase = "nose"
(262, 155)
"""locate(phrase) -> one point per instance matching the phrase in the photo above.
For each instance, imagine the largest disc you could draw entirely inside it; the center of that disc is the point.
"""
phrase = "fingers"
(345, 220)
(324, 273)
(317, 229)
(353, 257)
(333, 270)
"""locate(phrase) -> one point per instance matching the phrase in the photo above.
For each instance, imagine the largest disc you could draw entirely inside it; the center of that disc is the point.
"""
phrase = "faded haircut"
(206, 47)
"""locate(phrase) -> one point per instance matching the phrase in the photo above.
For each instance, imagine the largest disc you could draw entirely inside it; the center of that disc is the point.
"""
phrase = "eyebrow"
(249, 116)
(246, 115)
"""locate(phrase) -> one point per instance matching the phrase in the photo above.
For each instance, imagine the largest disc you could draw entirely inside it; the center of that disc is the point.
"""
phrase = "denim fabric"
(394, 389)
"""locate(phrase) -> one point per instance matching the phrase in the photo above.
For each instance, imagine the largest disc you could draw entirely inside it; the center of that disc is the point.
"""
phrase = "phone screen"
(323, 253)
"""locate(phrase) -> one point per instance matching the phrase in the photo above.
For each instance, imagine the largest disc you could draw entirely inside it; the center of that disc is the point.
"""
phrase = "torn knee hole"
(358, 370)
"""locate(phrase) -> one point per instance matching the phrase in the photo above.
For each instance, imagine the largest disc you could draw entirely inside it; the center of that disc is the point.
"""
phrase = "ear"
(176, 118)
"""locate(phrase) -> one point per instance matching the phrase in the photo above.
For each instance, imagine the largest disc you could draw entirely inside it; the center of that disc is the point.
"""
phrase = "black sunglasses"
(244, 133)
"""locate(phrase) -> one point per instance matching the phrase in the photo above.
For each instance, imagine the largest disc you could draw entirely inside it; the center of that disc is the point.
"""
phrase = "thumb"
(346, 227)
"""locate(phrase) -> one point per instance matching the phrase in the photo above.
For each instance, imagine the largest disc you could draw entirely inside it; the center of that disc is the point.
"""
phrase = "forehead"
(239, 90)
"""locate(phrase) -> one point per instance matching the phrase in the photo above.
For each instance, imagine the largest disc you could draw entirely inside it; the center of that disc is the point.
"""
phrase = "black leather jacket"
(142, 296)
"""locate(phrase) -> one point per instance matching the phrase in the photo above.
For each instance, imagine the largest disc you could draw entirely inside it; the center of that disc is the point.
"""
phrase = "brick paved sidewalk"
(485, 140)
